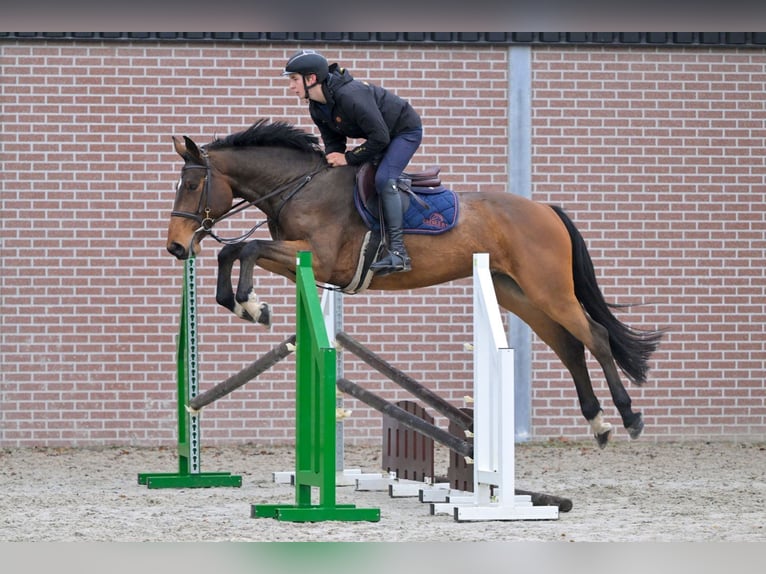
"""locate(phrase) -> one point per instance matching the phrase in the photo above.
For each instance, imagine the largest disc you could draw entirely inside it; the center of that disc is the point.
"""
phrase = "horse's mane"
(265, 133)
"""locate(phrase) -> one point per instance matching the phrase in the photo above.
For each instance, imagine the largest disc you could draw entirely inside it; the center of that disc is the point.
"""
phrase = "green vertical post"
(189, 473)
(315, 400)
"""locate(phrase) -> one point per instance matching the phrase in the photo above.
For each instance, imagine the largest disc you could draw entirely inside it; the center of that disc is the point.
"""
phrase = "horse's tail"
(631, 348)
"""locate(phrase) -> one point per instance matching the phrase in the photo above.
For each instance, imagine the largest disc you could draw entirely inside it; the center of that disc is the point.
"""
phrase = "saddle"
(365, 181)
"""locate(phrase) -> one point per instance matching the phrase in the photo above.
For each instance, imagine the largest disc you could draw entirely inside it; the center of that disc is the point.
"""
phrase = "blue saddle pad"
(434, 211)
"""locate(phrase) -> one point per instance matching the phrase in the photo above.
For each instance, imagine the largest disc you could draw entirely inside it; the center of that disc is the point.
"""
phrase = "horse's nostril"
(177, 250)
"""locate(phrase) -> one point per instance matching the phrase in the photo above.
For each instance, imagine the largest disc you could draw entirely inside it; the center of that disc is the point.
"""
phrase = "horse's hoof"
(635, 428)
(603, 438)
(264, 318)
(242, 313)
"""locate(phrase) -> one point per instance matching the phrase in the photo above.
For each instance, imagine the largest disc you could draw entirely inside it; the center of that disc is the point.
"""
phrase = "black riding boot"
(396, 259)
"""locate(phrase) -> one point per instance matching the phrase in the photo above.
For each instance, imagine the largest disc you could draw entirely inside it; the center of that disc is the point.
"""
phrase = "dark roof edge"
(691, 39)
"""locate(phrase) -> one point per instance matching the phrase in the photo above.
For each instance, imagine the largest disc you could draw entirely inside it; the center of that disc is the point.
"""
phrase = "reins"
(206, 223)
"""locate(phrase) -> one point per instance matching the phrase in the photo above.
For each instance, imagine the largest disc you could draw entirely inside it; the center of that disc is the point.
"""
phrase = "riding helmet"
(307, 62)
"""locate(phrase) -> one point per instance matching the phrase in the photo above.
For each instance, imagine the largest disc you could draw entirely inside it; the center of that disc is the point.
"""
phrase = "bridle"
(206, 222)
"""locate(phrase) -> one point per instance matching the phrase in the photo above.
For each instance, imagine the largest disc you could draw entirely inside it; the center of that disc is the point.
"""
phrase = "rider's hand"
(336, 159)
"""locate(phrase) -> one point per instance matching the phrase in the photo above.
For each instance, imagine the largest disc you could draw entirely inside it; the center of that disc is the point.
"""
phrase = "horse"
(540, 265)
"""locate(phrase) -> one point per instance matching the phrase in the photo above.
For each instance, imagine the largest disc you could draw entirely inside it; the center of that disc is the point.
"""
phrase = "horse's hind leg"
(570, 315)
(567, 348)
(601, 349)
(595, 337)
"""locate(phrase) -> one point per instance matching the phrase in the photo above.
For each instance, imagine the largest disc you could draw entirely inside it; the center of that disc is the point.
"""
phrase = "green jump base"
(201, 480)
(341, 512)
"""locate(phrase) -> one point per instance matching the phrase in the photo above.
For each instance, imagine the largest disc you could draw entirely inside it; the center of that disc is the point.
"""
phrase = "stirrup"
(393, 262)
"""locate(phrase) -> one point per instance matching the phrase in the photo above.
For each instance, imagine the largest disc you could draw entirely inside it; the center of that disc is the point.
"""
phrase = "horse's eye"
(186, 185)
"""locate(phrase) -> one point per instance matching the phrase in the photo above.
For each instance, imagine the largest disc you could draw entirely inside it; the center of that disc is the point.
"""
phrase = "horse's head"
(201, 198)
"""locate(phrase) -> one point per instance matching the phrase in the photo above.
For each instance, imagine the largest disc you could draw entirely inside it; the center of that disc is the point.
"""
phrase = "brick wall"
(656, 153)
(659, 157)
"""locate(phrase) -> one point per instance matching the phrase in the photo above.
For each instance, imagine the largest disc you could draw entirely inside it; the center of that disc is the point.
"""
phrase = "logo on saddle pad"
(436, 221)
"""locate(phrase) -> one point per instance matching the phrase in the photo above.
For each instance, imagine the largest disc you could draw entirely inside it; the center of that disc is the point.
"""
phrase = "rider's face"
(295, 84)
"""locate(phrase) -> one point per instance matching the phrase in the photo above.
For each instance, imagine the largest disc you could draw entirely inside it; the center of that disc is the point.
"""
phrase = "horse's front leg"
(224, 294)
(276, 256)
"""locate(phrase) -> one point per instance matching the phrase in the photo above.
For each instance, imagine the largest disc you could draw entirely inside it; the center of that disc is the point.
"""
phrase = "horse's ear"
(187, 149)
(180, 146)
(193, 150)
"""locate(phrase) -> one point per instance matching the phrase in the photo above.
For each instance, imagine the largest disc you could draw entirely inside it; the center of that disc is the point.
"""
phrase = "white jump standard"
(494, 495)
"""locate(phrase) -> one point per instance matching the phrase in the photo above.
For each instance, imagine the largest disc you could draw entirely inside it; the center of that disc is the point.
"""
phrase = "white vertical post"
(494, 433)
(332, 311)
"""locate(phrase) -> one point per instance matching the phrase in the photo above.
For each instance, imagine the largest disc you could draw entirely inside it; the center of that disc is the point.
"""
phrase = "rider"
(341, 108)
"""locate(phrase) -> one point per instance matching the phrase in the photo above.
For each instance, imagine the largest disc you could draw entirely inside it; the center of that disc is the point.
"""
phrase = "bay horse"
(541, 268)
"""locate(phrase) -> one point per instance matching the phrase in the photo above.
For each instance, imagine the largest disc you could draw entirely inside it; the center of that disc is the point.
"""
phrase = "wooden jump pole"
(247, 374)
(380, 404)
(451, 412)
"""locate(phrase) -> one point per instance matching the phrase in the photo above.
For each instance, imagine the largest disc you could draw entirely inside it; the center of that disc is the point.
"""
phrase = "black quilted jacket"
(360, 110)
